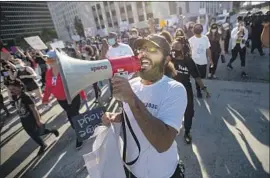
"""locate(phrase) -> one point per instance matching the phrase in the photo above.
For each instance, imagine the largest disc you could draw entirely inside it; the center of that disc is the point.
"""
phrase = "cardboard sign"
(88, 32)
(86, 123)
(202, 11)
(76, 37)
(35, 42)
(58, 44)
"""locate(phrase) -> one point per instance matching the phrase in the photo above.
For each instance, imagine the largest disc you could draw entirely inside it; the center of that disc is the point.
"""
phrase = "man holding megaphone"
(153, 108)
(55, 86)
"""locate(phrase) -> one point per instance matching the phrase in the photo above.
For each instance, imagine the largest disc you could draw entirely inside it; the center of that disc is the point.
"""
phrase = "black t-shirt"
(25, 113)
(40, 61)
(184, 69)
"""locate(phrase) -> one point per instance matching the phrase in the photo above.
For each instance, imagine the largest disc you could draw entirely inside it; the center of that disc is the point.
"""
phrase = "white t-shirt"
(121, 50)
(167, 101)
(198, 48)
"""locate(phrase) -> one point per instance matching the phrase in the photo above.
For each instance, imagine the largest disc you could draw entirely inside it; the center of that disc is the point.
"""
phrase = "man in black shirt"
(30, 118)
(185, 66)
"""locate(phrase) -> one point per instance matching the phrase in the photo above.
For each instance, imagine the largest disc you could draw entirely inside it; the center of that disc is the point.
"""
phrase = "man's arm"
(160, 135)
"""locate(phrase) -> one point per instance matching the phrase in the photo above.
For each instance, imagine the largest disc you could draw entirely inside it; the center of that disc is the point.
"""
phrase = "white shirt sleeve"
(173, 107)
(129, 51)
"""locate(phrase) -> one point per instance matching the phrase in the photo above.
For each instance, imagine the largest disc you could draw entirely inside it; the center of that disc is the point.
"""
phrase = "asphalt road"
(230, 132)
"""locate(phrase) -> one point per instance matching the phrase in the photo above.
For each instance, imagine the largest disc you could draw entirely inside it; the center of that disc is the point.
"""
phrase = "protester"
(256, 31)
(265, 35)
(41, 61)
(27, 76)
(154, 106)
(217, 48)
(2, 105)
(134, 36)
(104, 49)
(200, 47)
(239, 36)
(30, 118)
(185, 66)
(117, 49)
(226, 36)
(169, 67)
(179, 32)
(55, 86)
(189, 31)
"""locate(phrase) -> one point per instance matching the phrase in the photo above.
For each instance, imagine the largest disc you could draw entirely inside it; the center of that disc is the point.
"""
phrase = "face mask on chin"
(111, 41)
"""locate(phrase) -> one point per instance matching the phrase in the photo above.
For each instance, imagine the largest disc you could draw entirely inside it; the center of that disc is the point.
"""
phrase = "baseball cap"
(156, 40)
(214, 26)
(51, 54)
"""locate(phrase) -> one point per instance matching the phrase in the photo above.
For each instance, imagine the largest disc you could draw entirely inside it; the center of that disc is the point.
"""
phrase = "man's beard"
(154, 73)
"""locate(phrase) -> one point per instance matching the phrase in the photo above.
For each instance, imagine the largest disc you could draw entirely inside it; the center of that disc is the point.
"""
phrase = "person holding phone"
(239, 36)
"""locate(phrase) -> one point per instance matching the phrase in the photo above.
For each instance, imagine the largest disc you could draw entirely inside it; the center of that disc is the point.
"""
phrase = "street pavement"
(230, 132)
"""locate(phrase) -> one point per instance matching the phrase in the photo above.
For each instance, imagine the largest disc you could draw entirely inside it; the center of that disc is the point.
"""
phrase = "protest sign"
(58, 44)
(35, 42)
(76, 37)
(202, 11)
(86, 123)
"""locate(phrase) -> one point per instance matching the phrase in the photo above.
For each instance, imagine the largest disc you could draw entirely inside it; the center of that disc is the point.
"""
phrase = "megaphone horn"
(78, 74)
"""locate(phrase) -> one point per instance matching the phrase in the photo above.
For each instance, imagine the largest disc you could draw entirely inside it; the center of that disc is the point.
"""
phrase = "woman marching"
(185, 66)
(217, 48)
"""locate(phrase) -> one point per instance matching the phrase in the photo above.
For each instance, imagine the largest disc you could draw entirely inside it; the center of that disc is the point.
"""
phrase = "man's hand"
(39, 124)
(109, 117)
(211, 63)
(122, 90)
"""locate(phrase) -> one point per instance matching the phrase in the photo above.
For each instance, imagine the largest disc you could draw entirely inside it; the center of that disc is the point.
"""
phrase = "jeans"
(242, 51)
(202, 71)
(189, 113)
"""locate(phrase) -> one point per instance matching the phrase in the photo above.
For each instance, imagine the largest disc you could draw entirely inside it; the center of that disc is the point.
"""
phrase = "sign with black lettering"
(86, 123)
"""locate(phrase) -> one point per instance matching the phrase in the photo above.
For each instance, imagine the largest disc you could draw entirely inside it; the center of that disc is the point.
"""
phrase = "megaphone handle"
(87, 107)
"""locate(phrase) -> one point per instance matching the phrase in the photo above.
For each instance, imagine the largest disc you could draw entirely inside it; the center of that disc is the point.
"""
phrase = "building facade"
(105, 16)
(23, 19)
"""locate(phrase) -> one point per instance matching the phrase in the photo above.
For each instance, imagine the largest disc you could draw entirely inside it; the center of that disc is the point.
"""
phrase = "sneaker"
(78, 144)
(209, 76)
(244, 75)
(55, 132)
(229, 67)
(187, 138)
(42, 149)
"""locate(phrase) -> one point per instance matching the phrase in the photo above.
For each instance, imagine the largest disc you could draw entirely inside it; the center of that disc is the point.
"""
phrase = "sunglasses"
(148, 49)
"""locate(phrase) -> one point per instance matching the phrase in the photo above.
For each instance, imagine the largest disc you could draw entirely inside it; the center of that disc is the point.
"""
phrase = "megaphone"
(77, 74)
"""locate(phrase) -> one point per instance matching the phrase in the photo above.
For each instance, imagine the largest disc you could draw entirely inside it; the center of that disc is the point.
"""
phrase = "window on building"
(108, 14)
(149, 15)
(102, 26)
(111, 2)
(141, 18)
(130, 20)
(139, 4)
(187, 7)
(122, 10)
(100, 17)
(115, 24)
(98, 6)
(105, 3)
(110, 24)
(98, 27)
(173, 7)
(113, 13)
(129, 8)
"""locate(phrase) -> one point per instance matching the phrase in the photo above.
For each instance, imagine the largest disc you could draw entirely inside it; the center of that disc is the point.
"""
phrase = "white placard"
(202, 11)
(88, 32)
(35, 42)
(225, 12)
(58, 44)
(76, 37)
